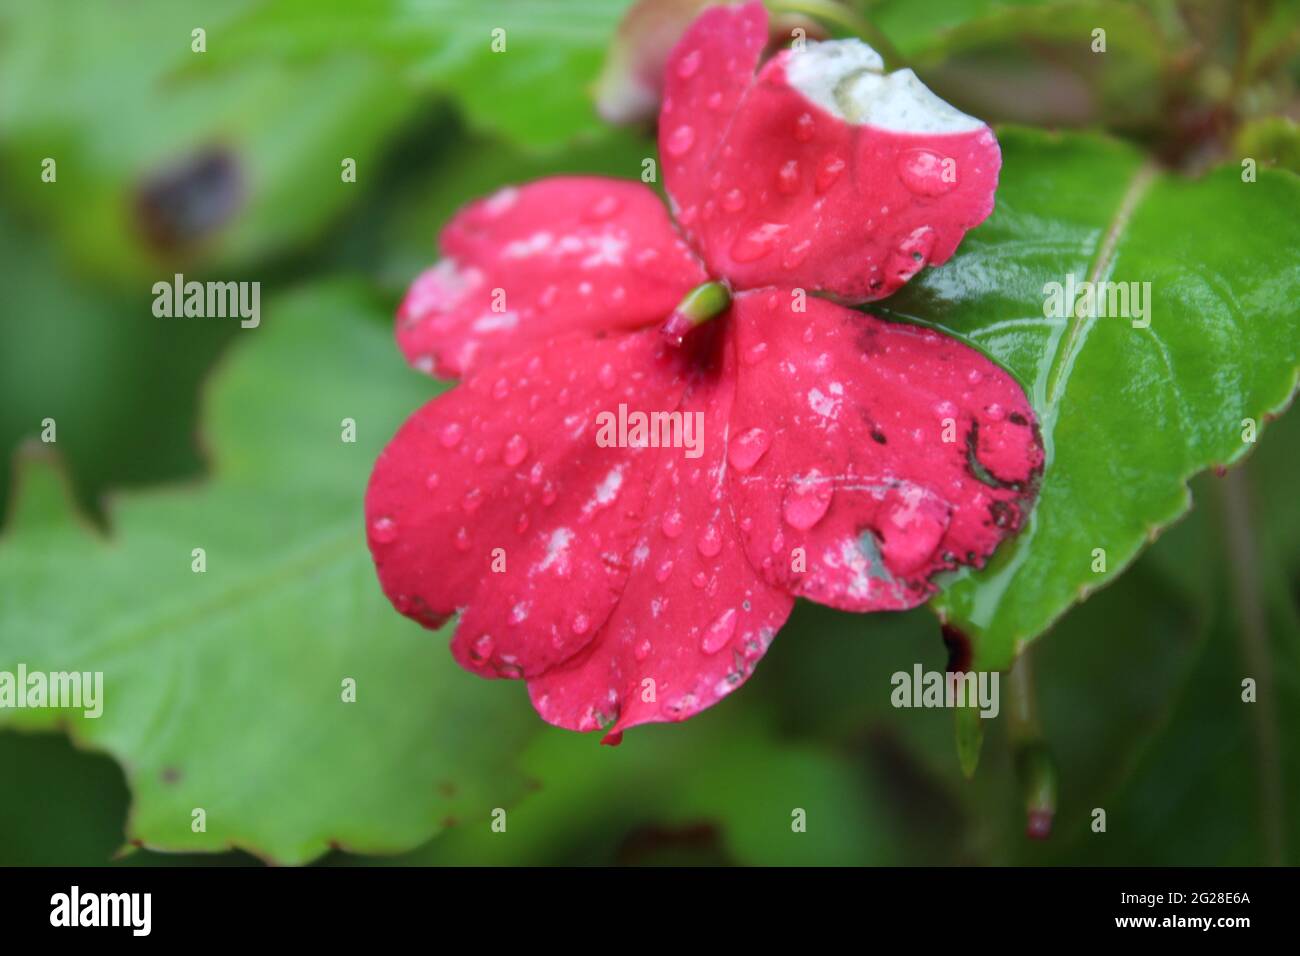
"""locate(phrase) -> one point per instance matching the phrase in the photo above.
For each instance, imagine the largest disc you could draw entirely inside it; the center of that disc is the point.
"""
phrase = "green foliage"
(1128, 413)
(198, 665)
(226, 685)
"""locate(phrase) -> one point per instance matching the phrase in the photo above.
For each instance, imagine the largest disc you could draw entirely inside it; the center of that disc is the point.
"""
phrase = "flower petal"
(836, 177)
(496, 499)
(694, 618)
(707, 74)
(871, 455)
(531, 262)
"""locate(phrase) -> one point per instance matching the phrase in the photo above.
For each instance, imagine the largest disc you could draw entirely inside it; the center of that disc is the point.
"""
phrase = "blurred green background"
(174, 433)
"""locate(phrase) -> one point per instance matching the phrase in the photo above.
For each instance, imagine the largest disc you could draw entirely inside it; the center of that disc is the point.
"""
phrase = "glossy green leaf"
(1128, 413)
(224, 690)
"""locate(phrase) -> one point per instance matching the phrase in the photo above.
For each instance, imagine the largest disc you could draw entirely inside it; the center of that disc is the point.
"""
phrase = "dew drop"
(806, 500)
(828, 173)
(923, 172)
(384, 530)
(672, 524)
(642, 649)
(580, 624)
(680, 141)
(755, 353)
(747, 448)
(787, 177)
(664, 571)
(451, 435)
(796, 254)
(516, 450)
(501, 389)
(606, 375)
(483, 647)
(709, 541)
(733, 201)
(804, 127)
(756, 243)
(604, 207)
(688, 65)
(462, 540)
(720, 632)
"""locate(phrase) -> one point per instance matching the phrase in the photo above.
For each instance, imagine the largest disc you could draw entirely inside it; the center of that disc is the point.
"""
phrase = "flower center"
(699, 305)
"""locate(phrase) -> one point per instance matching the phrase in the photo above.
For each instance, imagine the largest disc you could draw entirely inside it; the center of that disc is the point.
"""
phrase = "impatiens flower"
(556, 498)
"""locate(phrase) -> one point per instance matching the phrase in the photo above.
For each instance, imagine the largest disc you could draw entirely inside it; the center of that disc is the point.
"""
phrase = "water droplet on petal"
(755, 353)
(384, 530)
(714, 102)
(912, 523)
(451, 435)
(710, 541)
(663, 572)
(756, 243)
(796, 254)
(806, 500)
(580, 624)
(473, 498)
(501, 389)
(516, 450)
(720, 632)
(828, 173)
(680, 141)
(604, 207)
(482, 648)
(747, 448)
(925, 172)
(733, 201)
(462, 540)
(787, 177)
(688, 65)
(804, 127)
(606, 375)
(642, 649)
(672, 524)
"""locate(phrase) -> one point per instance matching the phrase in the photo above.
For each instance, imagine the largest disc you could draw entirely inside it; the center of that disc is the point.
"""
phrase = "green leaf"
(99, 364)
(122, 100)
(760, 799)
(530, 82)
(1128, 414)
(223, 689)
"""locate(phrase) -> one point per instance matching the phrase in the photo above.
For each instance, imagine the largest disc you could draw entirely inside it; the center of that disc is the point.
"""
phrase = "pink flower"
(843, 458)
